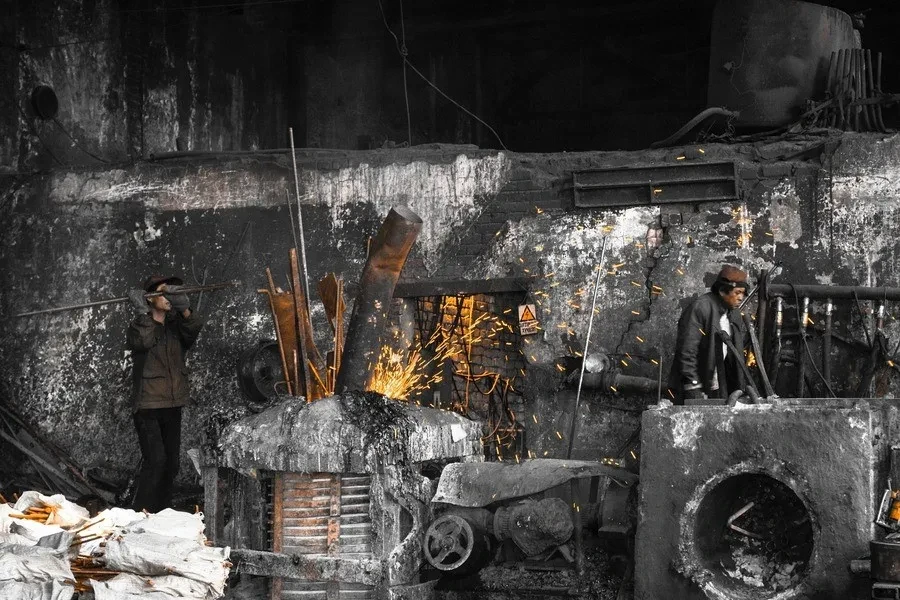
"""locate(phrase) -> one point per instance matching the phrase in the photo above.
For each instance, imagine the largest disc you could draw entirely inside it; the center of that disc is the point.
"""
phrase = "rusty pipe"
(835, 292)
(387, 255)
(801, 378)
(775, 360)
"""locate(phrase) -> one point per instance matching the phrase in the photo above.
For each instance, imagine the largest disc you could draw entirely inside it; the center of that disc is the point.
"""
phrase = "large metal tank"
(768, 57)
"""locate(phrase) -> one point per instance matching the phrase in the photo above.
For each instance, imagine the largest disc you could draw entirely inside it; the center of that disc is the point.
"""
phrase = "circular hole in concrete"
(754, 534)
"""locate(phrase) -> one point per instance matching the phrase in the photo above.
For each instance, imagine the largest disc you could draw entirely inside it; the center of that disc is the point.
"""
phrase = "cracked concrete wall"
(78, 235)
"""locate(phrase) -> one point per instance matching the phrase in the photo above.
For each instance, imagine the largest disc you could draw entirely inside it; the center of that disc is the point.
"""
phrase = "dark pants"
(159, 434)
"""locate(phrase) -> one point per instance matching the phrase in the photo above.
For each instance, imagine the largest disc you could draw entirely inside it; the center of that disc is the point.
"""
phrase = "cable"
(401, 49)
(38, 136)
(806, 344)
(404, 52)
(77, 145)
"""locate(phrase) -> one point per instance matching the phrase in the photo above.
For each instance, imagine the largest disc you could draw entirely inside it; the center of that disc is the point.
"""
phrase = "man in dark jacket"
(703, 367)
(158, 339)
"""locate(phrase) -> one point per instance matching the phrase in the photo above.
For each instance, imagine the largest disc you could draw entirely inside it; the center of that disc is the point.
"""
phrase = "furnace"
(343, 493)
(762, 503)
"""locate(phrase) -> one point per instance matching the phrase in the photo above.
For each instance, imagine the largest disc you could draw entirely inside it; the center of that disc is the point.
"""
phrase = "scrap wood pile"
(306, 372)
(50, 550)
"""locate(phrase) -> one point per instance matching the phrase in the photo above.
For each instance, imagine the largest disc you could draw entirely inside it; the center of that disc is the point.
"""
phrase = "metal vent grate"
(660, 184)
(324, 514)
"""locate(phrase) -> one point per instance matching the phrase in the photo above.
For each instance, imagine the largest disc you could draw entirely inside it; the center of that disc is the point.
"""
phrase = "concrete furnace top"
(349, 433)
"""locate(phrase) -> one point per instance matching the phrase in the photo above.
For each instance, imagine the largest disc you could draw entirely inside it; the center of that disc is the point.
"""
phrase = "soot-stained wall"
(825, 207)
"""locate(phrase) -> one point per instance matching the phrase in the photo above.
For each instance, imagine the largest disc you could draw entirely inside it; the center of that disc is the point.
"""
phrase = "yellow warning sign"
(528, 322)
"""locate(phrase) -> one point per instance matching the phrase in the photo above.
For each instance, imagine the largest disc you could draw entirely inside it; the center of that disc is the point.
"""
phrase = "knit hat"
(731, 276)
(154, 280)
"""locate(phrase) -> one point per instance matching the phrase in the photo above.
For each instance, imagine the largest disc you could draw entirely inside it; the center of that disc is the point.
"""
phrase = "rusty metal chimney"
(387, 255)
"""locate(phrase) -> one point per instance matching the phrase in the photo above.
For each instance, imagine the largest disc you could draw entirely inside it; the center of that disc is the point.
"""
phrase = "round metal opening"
(754, 534)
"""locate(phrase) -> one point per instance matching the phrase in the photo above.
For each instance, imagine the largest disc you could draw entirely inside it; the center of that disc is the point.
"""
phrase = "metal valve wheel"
(449, 542)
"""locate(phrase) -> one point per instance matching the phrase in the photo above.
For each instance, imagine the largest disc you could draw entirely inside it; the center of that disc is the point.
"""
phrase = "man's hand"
(694, 394)
(180, 302)
(138, 301)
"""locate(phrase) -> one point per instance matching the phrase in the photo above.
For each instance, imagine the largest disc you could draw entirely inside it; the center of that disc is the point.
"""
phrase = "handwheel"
(259, 374)
(449, 542)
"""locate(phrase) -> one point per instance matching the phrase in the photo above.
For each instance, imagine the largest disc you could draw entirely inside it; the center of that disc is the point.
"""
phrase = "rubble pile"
(50, 549)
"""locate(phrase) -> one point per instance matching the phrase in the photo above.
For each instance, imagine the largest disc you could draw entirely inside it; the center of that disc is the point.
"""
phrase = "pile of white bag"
(161, 556)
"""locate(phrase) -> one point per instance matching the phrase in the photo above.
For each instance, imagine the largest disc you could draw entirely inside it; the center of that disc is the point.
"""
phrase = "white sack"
(65, 513)
(32, 529)
(33, 564)
(17, 590)
(106, 590)
(172, 585)
(173, 523)
(154, 554)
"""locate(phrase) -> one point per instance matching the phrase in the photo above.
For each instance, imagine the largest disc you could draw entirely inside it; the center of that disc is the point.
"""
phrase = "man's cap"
(732, 275)
(154, 280)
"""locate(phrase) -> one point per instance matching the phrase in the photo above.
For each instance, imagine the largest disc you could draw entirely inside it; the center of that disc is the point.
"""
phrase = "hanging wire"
(77, 145)
(404, 53)
(401, 48)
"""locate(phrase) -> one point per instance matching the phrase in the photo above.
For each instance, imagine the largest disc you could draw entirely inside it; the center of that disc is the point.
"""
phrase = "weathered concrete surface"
(827, 456)
(329, 436)
(75, 235)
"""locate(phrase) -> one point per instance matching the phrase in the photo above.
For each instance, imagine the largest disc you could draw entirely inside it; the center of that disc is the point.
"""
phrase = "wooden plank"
(334, 520)
(213, 506)
(277, 528)
(364, 569)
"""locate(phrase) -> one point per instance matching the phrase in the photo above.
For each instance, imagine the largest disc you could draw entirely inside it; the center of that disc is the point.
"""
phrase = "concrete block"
(777, 170)
(749, 172)
(810, 471)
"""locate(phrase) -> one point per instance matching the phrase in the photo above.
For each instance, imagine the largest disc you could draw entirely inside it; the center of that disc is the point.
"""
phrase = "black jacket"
(697, 345)
(159, 373)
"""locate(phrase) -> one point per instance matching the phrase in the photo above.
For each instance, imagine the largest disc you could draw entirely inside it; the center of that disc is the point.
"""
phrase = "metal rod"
(185, 290)
(826, 342)
(878, 89)
(776, 353)
(587, 341)
(757, 350)
(659, 378)
(835, 292)
(300, 220)
(801, 379)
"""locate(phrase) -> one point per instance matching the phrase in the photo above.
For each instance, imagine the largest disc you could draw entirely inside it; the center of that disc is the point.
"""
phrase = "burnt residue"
(384, 424)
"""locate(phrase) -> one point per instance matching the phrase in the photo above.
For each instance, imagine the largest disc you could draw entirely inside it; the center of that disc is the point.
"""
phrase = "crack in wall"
(653, 258)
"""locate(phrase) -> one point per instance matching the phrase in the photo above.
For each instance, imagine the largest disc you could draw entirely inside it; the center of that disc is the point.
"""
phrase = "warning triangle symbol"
(527, 315)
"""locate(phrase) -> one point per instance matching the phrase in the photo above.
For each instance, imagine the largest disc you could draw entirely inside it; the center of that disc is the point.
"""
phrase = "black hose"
(712, 111)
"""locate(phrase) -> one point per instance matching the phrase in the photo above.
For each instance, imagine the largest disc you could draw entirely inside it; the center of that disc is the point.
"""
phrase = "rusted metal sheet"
(659, 184)
(324, 516)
